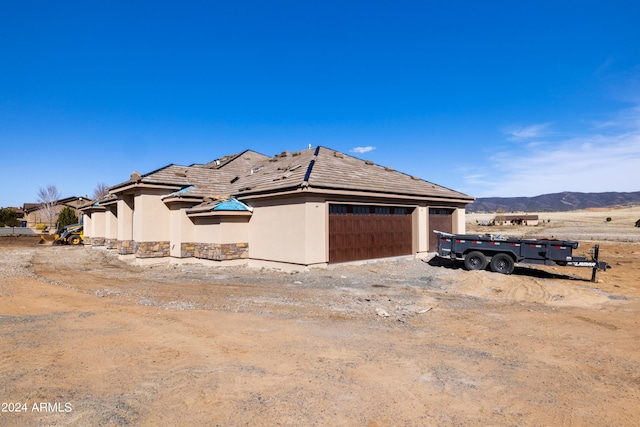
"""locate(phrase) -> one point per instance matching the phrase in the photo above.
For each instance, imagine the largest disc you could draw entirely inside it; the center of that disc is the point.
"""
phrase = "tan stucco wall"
(97, 224)
(87, 223)
(234, 230)
(125, 218)
(317, 229)
(292, 230)
(181, 228)
(459, 223)
(420, 229)
(151, 218)
(111, 223)
(228, 229)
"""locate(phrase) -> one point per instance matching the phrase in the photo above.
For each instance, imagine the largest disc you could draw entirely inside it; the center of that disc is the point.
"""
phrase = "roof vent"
(368, 162)
(388, 169)
(234, 179)
(338, 154)
(182, 173)
(417, 178)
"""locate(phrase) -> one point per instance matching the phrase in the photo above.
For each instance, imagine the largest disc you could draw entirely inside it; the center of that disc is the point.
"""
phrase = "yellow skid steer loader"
(70, 235)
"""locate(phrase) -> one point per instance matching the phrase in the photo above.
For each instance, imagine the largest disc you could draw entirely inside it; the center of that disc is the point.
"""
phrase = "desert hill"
(556, 202)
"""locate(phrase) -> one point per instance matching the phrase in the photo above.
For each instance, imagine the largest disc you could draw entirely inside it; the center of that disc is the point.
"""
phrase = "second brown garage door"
(368, 232)
(439, 219)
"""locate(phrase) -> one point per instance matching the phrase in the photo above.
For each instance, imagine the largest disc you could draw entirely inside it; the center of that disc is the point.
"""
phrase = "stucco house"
(295, 210)
(34, 214)
(519, 219)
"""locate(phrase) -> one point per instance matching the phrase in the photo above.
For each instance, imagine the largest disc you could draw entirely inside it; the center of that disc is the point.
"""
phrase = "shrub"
(41, 226)
(67, 216)
(8, 217)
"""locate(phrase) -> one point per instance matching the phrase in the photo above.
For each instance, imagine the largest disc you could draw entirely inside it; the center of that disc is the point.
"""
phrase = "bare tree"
(48, 199)
(101, 190)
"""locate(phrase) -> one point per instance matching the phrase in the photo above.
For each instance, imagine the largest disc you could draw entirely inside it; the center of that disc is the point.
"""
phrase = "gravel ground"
(396, 342)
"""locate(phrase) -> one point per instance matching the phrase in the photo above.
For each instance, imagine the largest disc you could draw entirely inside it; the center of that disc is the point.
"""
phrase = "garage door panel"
(357, 236)
(441, 220)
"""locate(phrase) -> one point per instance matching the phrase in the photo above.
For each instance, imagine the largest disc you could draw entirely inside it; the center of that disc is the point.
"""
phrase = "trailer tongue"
(502, 253)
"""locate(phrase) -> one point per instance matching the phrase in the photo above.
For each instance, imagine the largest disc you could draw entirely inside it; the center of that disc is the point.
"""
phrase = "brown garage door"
(439, 219)
(368, 232)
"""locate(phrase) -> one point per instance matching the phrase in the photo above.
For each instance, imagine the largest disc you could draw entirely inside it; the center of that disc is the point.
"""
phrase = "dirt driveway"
(89, 340)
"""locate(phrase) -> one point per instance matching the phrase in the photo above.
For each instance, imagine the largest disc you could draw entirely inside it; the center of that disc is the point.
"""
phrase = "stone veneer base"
(152, 249)
(125, 247)
(221, 251)
(97, 241)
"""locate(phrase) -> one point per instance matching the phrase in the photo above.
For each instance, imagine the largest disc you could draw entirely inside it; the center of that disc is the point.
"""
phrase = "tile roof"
(249, 173)
(336, 170)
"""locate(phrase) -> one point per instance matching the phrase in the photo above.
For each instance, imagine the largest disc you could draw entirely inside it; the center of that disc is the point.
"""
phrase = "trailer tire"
(502, 263)
(475, 261)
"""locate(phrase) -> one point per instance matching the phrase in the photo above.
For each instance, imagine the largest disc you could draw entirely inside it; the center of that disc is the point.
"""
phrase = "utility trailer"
(502, 253)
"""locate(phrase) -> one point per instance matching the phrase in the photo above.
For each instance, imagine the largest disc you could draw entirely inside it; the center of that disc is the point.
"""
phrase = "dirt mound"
(18, 241)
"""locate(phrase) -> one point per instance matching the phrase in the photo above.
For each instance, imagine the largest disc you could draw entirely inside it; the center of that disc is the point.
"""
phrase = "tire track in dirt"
(528, 291)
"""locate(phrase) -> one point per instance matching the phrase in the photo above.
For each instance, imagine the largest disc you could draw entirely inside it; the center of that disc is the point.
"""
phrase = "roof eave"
(182, 199)
(92, 208)
(210, 213)
(360, 193)
(132, 186)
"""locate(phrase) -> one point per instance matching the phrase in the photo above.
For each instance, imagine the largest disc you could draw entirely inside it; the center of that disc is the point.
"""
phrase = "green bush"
(66, 217)
(8, 217)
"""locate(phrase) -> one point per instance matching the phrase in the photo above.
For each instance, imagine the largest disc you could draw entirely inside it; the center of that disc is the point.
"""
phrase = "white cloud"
(519, 133)
(362, 149)
(590, 162)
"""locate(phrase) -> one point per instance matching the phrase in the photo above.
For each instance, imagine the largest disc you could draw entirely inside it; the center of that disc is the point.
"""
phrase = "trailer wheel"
(475, 261)
(502, 263)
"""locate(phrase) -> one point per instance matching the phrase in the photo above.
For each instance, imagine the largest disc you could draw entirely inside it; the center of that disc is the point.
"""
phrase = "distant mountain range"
(556, 202)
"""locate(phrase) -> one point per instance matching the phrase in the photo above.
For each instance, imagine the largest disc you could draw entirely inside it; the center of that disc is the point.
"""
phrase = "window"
(440, 212)
(337, 209)
(383, 211)
(368, 210)
(361, 210)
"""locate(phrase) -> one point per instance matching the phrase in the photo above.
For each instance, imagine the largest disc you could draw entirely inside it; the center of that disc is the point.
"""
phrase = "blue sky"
(491, 98)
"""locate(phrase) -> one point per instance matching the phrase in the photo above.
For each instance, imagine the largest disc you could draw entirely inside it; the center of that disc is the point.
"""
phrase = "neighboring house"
(521, 219)
(19, 212)
(308, 208)
(33, 213)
